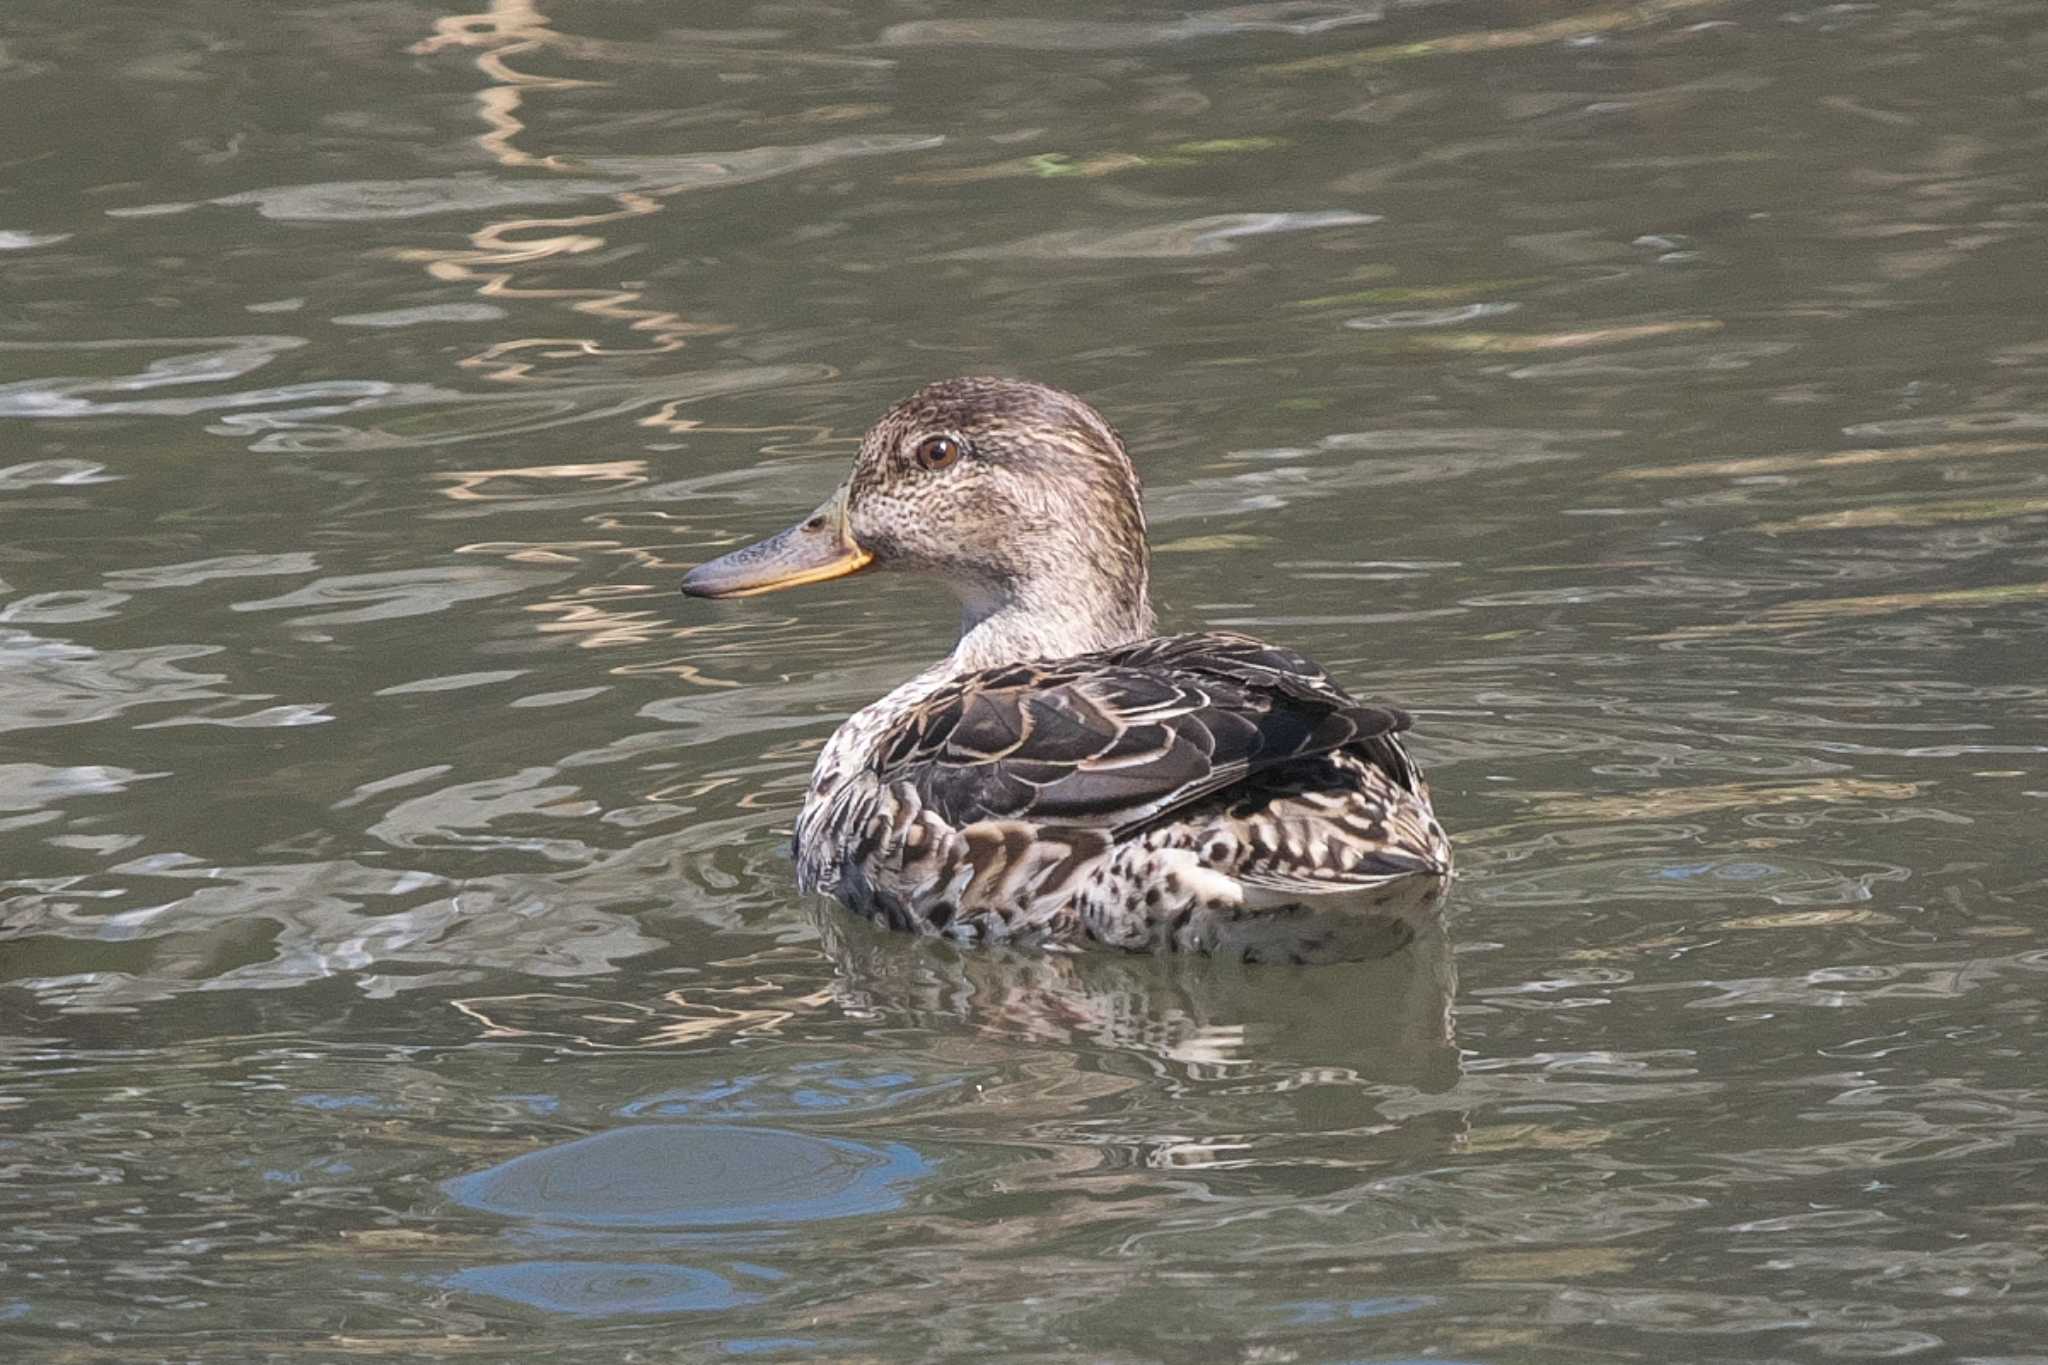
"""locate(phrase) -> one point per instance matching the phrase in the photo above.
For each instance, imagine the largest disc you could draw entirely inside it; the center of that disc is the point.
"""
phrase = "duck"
(1067, 776)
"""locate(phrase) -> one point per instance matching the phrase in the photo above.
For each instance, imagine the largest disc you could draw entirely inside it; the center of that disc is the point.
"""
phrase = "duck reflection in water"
(1065, 775)
(1364, 1024)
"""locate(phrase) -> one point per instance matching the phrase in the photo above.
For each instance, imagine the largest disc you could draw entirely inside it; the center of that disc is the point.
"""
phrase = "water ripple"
(352, 201)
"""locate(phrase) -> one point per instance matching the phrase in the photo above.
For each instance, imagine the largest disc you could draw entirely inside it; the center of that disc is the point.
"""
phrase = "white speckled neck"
(1018, 634)
(1068, 605)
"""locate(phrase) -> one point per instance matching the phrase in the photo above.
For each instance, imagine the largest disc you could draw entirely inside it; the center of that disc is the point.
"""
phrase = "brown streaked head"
(1019, 495)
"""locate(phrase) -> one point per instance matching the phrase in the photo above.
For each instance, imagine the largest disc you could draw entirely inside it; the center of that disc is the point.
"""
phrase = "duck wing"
(1117, 739)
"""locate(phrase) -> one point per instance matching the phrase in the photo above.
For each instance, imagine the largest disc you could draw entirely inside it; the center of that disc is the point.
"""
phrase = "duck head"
(1019, 497)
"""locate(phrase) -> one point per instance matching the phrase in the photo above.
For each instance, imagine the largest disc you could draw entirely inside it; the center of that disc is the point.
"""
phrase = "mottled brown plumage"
(1063, 775)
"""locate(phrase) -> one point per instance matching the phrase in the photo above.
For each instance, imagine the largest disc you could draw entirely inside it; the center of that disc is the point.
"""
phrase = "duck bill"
(815, 549)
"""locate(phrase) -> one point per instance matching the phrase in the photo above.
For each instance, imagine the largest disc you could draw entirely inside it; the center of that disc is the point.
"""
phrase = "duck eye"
(938, 452)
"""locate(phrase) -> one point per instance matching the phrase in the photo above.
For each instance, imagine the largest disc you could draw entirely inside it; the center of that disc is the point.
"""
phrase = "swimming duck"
(1066, 775)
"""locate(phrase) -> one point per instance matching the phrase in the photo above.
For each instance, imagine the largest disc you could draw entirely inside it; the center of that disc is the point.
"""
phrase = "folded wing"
(1118, 739)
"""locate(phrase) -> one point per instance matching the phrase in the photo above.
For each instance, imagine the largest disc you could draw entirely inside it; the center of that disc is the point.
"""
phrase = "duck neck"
(1083, 604)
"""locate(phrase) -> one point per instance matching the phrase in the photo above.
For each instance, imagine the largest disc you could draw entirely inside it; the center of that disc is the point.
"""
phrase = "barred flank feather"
(1160, 795)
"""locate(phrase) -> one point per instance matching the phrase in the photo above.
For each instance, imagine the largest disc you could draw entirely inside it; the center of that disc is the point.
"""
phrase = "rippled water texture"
(398, 956)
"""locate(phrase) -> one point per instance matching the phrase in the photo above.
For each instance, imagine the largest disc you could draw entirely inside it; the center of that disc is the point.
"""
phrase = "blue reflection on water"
(602, 1289)
(754, 1346)
(1730, 872)
(694, 1175)
(343, 1104)
(1317, 1311)
(822, 1085)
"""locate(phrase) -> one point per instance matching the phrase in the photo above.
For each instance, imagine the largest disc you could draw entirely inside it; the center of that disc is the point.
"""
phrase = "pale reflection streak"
(1801, 464)
(507, 28)
(473, 485)
(598, 626)
(628, 1025)
(583, 611)
(513, 28)
(587, 611)
(1807, 613)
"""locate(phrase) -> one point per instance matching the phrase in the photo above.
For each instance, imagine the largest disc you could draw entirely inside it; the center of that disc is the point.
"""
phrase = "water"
(400, 959)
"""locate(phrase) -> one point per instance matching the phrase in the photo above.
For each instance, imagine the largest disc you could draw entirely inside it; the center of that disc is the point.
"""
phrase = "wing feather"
(1117, 739)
